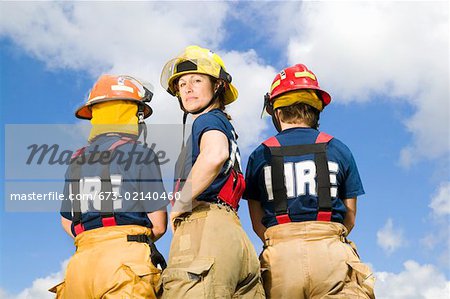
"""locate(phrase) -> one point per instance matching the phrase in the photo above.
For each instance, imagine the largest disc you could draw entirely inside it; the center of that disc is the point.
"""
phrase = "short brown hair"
(300, 112)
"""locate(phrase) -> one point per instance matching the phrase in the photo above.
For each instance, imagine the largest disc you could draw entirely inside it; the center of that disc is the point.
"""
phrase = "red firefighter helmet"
(293, 78)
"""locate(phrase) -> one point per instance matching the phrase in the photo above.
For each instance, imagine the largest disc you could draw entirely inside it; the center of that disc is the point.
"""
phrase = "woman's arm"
(214, 152)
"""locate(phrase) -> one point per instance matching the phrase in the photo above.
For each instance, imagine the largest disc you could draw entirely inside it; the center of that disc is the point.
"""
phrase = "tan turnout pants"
(313, 260)
(211, 257)
(107, 266)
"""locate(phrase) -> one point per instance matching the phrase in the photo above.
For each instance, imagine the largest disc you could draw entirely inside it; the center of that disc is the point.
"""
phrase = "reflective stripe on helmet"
(295, 78)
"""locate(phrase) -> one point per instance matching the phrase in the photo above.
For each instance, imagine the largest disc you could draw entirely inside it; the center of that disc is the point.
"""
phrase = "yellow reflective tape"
(305, 74)
(298, 96)
(275, 84)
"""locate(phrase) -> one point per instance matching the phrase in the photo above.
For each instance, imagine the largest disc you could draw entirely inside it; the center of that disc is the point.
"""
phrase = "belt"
(223, 204)
(155, 256)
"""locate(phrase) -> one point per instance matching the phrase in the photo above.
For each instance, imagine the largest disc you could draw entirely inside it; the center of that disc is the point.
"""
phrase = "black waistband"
(139, 238)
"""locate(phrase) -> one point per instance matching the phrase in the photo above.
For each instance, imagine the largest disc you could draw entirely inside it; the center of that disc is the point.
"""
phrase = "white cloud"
(103, 37)
(40, 286)
(3, 294)
(440, 203)
(415, 282)
(430, 241)
(437, 241)
(375, 48)
(438, 245)
(390, 238)
(261, 17)
(252, 80)
(382, 48)
(397, 51)
(118, 37)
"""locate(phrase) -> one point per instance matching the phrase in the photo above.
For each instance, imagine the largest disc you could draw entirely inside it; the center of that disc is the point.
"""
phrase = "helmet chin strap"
(142, 127)
(141, 124)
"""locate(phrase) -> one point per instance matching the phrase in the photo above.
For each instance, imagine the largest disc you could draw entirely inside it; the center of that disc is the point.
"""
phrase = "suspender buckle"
(78, 228)
(324, 215)
(109, 221)
(283, 218)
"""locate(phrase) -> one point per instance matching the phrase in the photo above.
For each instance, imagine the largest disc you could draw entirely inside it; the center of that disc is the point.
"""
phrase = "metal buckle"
(141, 116)
(220, 202)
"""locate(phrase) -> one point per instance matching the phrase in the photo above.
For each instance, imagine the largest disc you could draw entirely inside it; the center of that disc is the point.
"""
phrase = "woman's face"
(196, 90)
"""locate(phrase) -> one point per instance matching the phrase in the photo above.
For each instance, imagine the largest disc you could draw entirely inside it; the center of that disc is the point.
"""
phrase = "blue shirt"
(135, 175)
(300, 177)
(212, 120)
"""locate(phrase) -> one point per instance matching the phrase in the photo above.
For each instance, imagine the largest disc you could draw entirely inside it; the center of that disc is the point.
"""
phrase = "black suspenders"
(107, 208)
(318, 149)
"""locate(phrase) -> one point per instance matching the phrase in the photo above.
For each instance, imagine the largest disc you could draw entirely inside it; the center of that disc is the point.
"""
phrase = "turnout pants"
(105, 265)
(313, 260)
(211, 257)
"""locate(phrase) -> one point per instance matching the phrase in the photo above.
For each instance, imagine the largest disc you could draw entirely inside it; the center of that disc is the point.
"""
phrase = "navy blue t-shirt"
(135, 175)
(212, 120)
(300, 177)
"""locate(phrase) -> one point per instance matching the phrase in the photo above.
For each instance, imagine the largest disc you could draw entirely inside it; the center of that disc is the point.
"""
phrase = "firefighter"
(114, 235)
(302, 186)
(210, 254)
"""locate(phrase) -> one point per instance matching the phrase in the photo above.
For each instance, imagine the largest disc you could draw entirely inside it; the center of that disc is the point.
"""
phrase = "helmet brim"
(231, 94)
(85, 111)
(325, 96)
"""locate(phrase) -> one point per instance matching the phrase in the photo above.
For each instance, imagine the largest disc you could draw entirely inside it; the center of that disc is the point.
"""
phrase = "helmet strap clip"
(141, 123)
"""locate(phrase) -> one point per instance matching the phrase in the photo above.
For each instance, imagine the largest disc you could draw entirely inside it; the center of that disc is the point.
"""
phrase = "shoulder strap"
(323, 179)
(272, 142)
(278, 181)
(107, 207)
(107, 204)
(120, 142)
(278, 152)
(78, 152)
(74, 181)
(323, 138)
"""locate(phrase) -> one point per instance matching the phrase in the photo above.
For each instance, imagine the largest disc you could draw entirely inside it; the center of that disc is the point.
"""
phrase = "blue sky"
(387, 71)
